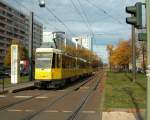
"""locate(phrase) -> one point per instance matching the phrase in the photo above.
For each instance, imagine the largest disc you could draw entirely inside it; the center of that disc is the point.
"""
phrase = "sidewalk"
(16, 87)
(118, 116)
(124, 114)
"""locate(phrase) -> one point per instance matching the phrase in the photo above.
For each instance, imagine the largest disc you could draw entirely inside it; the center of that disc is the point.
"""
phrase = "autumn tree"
(23, 53)
(121, 55)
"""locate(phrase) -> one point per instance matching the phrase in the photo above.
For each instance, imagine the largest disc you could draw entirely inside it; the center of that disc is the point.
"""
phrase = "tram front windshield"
(43, 60)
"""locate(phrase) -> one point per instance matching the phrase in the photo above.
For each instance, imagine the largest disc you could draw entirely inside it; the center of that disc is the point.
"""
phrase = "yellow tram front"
(47, 66)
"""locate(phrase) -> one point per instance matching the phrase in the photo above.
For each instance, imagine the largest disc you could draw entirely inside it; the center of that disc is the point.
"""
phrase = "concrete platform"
(17, 87)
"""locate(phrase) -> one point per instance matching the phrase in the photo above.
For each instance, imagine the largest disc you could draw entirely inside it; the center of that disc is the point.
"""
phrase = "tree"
(121, 55)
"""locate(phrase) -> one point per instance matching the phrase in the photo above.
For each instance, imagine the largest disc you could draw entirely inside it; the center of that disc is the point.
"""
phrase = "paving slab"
(118, 116)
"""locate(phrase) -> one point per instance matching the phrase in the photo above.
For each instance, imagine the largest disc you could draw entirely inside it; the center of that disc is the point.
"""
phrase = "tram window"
(53, 61)
(58, 61)
(63, 61)
(69, 62)
(74, 61)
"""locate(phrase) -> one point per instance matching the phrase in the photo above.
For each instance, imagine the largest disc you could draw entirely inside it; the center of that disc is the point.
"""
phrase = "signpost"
(142, 36)
(14, 64)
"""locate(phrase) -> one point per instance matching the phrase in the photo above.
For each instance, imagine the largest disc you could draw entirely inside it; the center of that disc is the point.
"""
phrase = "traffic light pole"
(133, 54)
(31, 47)
(148, 58)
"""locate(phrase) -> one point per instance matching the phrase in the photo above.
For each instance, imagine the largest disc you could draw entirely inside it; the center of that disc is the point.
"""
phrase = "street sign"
(14, 64)
(142, 36)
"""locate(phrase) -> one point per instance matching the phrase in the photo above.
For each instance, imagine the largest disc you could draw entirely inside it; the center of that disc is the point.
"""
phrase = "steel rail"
(84, 100)
(21, 101)
(56, 100)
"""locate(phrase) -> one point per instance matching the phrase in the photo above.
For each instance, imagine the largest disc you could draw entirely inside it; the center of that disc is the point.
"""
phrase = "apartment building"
(15, 25)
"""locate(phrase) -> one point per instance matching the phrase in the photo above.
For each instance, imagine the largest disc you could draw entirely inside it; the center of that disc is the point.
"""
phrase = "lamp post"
(42, 3)
(31, 48)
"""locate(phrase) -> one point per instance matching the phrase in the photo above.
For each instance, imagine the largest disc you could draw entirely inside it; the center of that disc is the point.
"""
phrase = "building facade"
(15, 25)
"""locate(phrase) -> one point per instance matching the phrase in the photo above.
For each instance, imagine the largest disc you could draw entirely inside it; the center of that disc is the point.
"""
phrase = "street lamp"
(42, 3)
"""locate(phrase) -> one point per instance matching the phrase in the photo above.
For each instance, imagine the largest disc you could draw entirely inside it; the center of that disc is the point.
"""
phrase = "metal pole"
(133, 53)
(31, 47)
(3, 84)
(148, 57)
(143, 55)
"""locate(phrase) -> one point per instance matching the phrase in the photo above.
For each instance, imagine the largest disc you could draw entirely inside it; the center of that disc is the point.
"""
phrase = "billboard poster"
(14, 64)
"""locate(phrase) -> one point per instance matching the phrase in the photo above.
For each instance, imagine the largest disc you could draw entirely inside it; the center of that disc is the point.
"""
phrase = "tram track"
(77, 110)
(21, 101)
(34, 106)
(56, 100)
(38, 95)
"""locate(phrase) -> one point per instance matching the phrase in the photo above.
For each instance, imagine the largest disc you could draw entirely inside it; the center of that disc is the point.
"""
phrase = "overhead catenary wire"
(81, 16)
(104, 11)
(59, 20)
(88, 22)
(39, 18)
(77, 10)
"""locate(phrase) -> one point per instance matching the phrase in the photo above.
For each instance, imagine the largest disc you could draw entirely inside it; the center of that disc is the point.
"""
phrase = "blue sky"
(106, 18)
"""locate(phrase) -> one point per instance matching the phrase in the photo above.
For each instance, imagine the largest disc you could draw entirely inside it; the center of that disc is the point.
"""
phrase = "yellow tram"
(53, 68)
(54, 65)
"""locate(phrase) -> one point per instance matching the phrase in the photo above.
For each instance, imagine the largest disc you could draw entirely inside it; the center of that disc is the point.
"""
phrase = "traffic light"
(136, 15)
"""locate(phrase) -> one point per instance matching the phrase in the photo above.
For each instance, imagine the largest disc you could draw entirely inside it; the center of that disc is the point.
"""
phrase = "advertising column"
(14, 64)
